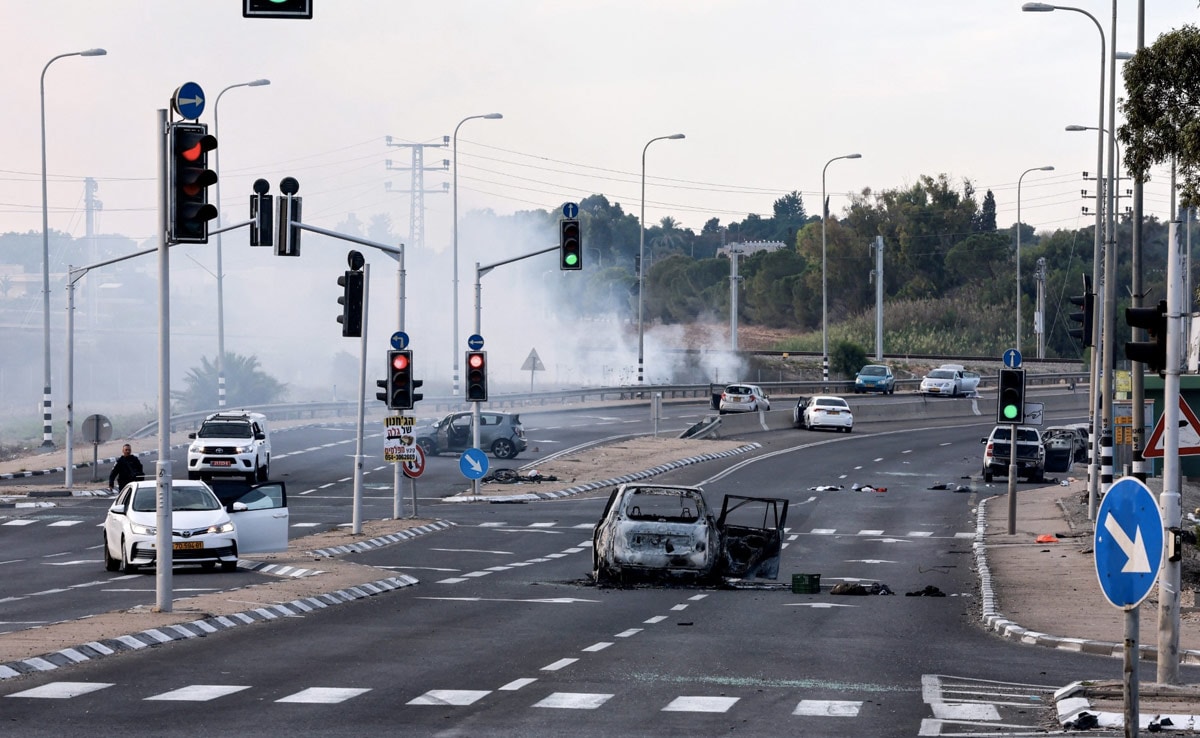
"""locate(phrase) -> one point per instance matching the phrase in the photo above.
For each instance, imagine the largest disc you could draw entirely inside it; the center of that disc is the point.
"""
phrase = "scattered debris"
(854, 588)
(825, 488)
(1156, 726)
(1047, 538)
(929, 591)
(951, 486)
(513, 476)
(867, 488)
(1084, 721)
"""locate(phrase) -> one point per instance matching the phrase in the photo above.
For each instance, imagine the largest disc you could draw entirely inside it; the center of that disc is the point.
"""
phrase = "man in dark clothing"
(127, 469)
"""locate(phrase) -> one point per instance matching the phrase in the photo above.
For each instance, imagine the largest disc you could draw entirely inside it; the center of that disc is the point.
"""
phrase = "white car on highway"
(823, 411)
(949, 380)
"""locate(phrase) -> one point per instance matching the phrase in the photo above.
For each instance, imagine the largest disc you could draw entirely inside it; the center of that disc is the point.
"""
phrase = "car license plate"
(187, 545)
(222, 462)
(833, 412)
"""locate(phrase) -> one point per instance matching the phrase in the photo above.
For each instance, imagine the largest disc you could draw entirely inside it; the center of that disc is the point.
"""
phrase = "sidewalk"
(1048, 594)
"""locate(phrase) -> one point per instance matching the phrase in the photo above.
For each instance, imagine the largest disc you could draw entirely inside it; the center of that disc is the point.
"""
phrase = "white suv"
(233, 443)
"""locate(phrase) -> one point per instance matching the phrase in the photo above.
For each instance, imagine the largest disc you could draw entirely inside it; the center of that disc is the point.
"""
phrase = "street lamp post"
(220, 270)
(824, 290)
(47, 425)
(454, 176)
(1094, 398)
(642, 262)
(1027, 171)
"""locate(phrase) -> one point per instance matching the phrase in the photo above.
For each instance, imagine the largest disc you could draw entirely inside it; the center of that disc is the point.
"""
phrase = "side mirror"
(192, 435)
(240, 507)
(260, 436)
(117, 509)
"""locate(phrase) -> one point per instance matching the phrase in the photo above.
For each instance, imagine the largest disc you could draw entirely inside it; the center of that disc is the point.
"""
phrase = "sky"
(766, 93)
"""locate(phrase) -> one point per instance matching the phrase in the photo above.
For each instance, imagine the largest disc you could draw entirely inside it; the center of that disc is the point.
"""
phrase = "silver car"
(743, 398)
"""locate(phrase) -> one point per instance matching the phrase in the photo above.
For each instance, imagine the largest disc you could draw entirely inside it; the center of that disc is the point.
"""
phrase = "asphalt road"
(505, 635)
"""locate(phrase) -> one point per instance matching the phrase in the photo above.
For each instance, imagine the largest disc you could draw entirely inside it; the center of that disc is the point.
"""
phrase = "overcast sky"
(765, 91)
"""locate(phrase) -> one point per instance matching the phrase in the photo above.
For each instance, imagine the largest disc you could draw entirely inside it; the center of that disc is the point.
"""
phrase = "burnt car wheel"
(504, 449)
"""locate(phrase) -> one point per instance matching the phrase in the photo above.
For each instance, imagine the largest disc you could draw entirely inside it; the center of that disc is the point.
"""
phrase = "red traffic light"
(400, 361)
(475, 360)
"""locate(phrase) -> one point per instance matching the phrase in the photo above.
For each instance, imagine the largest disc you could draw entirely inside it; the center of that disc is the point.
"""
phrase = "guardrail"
(348, 409)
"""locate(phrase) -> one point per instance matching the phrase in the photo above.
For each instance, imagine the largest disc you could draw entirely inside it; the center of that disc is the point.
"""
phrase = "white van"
(231, 443)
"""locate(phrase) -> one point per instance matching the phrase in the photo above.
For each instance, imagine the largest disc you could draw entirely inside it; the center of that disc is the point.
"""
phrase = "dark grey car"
(499, 433)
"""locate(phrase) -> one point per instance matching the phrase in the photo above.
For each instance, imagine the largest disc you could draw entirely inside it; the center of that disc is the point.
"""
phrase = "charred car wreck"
(662, 532)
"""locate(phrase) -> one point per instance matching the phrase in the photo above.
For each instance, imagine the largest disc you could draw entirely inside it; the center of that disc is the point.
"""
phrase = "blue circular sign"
(188, 100)
(1128, 542)
(475, 342)
(1012, 359)
(473, 463)
(399, 340)
(570, 210)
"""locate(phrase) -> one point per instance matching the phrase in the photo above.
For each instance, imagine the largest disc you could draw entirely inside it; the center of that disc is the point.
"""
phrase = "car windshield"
(941, 374)
(182, 498)
(225, 430)
(873, 371)
(834, 402)
(738, 390)
(664, 504)
(1027, 435)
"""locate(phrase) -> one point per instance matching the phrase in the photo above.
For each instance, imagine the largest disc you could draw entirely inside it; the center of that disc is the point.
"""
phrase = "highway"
(506, 635)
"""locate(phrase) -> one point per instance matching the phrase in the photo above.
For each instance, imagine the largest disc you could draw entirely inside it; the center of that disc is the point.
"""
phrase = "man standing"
(127, 469)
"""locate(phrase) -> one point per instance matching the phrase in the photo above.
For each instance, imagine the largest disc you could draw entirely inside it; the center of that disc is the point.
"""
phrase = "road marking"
(870, 533)
(61, 690)
(560, 664)
(574, 700)
(700, 704)
(597, 647)
(816, 605)
(827, 708)
(455, 697)
(472, 550)
(22, 521)
(516, 684)
(65, 523)
(197, 693)
(628, 633)
(655, 619)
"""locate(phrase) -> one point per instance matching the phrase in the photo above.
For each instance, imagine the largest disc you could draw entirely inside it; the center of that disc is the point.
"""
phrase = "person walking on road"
(127, 469)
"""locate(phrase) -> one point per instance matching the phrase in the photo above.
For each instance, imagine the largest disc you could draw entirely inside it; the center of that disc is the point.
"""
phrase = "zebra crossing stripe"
(574, 700)
(450, 697)
(197, 693)
(61, 690)
(700, 704)
(323, 695)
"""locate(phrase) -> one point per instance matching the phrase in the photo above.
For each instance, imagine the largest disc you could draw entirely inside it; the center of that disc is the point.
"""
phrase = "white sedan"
(823, 411)
(203, 531)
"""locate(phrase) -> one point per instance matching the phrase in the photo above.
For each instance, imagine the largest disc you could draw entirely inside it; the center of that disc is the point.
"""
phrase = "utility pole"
(734, 278)
(416, 205)
(91, 205)
(877, 275)
(1039, 317)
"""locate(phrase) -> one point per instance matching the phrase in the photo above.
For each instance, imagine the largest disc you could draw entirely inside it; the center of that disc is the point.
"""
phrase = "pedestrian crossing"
(451, 698)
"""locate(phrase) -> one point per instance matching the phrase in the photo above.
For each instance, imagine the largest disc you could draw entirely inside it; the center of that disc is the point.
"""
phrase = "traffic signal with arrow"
(570, 245)
(188, 209)
(477, 388)
(1010, 400)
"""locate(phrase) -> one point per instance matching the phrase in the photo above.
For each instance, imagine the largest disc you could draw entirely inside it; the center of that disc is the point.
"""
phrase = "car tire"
(208, 565)
(504, 449)
(127, 567)
(264, 471)
(987, 475)
(229, 566)
(110, 563)
(848, 429)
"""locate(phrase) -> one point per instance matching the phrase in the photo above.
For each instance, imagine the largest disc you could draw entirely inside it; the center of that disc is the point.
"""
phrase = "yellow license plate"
(183, 545)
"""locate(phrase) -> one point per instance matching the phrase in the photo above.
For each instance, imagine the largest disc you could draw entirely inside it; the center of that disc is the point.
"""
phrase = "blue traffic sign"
(399, 340)
(570, 210)
(1128, 543)
(475, 342)
(189, 100)
(473, 463)
(1012, 359)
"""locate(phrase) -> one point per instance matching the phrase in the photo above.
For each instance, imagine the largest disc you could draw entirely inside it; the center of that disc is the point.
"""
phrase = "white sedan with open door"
(205, 530)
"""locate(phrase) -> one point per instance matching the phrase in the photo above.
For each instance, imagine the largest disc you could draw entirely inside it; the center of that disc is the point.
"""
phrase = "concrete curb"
(207, 626)
(589, 486)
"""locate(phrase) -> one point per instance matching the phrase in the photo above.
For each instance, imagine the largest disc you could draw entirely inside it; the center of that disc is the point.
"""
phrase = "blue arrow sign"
(570, 210)
(399, 340)
(475, 342)
(189, 100)
(1128, 543)
(1012, 359)
(473, 463)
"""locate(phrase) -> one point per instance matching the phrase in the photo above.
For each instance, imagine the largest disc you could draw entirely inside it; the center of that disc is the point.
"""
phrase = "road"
(506, 635)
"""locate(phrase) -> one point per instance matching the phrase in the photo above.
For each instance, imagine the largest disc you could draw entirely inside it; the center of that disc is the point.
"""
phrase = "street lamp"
(47, 425)
(1027, 171)
(1094, 392)
(220, 271)
(824, 297)
(454, 353)
(642, 259)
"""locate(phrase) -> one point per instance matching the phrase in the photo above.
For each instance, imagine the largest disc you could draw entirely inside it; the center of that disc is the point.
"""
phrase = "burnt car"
(670, 532)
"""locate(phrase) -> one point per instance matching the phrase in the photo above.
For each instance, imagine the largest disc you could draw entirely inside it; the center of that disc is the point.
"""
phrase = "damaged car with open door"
(652, 532)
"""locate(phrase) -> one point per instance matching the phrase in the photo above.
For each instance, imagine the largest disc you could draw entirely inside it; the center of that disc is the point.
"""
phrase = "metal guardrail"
(348, 409)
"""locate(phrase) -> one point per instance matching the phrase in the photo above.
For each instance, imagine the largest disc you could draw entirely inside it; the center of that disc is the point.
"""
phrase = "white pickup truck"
(950, 380)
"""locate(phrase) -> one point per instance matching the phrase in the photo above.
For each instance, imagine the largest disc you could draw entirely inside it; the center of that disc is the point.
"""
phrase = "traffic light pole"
(1170, 500)
(480, 271)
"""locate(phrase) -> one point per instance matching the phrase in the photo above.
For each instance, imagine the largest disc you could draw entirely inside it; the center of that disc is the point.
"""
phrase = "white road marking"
(597, 646)
(61, 690)
(560, 664)
(197, 693)
(64, 523)
(700, 704)
(827, 708)
(516, 684)
(655, 619)
(574, 700)
(455, 697)
(628, 633)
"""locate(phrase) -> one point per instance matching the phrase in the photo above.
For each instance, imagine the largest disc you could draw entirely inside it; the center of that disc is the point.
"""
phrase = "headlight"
(194, 448)
(222, 528)
(143, 530)
(243, 449)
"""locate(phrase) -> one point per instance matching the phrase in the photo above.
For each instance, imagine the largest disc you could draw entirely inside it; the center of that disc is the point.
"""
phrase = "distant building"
(749, 248)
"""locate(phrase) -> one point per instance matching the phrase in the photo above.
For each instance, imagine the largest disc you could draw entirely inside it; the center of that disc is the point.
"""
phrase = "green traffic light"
(1010, 412)
(571, 259)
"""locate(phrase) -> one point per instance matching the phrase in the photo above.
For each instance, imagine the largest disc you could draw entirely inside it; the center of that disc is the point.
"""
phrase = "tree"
(1162, 110)
(245, 384)
(985, 220)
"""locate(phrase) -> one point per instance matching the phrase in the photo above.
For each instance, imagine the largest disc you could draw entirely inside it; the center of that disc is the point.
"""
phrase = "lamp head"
(493, 116)
(258, 83)
(852, 156)
(1076, 128)
(1046, 169)
(676, 136)
(1037, 7)
(93, 52)
(1123, 55)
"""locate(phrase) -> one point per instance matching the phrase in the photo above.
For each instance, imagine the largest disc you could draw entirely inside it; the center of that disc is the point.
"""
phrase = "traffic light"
(417, 396)
(1085, 318)
(1010, 402)
(1152, 353)
(477, 389)
(399, 380)
(288, 243)
(381, 396)
(277, 9)
(352, 304)
(570, 245)
(262, 207)
(188, 209)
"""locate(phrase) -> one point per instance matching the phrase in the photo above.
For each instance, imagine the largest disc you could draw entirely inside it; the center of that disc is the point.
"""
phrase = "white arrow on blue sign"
(1128, 543)
(188, 100)
(473, 463)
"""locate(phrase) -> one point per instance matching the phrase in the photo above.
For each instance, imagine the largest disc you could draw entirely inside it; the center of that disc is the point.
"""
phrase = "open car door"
(751, 530)
(260, 514)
